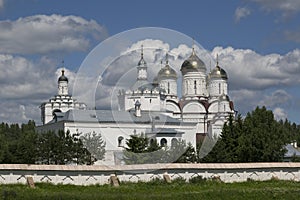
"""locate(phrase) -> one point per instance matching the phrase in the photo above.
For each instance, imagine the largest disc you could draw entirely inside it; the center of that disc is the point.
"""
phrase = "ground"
(158, 190)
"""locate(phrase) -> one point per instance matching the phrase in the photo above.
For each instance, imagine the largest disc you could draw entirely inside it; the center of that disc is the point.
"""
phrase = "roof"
(109, 116)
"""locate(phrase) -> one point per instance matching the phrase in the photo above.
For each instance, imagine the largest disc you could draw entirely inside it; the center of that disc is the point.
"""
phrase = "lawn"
(273, 189)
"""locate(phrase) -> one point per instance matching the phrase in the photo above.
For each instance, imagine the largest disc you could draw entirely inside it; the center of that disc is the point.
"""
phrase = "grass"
(158, 189)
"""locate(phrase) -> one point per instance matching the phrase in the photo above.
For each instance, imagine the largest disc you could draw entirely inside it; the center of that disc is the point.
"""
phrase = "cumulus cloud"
(250, 70)
(241, 12)
(41, 34)
(25, 85)
(21, 78)
(255, 79)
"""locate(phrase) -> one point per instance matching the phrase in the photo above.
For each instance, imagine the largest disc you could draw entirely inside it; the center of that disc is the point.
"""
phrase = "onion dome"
(62, 77)
(167, 72)
(218, 72)
(193, 64)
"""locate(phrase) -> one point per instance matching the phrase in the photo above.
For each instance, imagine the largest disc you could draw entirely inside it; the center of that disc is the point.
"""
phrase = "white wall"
(88, 175)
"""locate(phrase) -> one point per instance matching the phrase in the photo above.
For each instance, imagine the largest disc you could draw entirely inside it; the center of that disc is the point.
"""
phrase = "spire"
(63, 67)
(193, 47)
(142, 61)
(142, 52)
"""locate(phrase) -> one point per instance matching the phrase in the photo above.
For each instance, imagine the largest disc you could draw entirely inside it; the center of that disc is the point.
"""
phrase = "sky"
(257, 42)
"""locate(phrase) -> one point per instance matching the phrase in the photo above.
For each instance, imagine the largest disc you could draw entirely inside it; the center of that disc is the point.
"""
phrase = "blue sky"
(258, 41)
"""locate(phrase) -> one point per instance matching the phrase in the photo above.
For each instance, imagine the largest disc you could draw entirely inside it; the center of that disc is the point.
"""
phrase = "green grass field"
(158, 190)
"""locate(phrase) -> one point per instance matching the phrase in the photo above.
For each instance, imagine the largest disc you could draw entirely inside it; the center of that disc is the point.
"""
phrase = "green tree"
(257, 138)
(95, 145)
(140, 151)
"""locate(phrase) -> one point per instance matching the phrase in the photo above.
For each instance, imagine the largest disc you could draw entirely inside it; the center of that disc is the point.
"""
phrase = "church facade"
(153, 108)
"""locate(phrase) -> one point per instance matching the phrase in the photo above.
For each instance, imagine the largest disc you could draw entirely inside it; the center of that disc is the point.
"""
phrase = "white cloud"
(25, 85)
(40, 34)
(21, 78)
(249, 70)
(280, 114)
(241, 12)
(277, 98)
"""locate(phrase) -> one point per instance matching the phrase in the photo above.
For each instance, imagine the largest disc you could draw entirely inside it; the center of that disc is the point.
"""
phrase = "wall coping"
(142, 167)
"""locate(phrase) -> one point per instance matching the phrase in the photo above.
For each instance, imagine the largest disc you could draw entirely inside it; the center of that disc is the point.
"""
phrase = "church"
(153, 108)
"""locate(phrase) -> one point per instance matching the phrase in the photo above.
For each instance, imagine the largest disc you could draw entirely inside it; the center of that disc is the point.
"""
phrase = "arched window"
(163, 142)
(120, 141)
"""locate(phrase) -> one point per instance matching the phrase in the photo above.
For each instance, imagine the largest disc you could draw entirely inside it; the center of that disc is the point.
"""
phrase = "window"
(219, 88)
(168, 87)
(163, 142)
(195, 86)
(186, 87)
(120, 141)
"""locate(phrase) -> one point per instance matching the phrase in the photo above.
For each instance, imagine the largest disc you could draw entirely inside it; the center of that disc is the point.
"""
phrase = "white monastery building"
(153, 108)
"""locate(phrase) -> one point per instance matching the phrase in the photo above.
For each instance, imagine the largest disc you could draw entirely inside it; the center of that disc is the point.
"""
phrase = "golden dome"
(218, 72)
(167, 73)
(193, 64)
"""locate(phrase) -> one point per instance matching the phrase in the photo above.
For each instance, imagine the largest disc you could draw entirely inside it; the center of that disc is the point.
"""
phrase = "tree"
(257, 138)
(61, 148)
(95, 145)
(140, 151)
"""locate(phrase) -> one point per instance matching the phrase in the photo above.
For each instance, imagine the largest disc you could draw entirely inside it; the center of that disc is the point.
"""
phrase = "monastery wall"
(88, 175)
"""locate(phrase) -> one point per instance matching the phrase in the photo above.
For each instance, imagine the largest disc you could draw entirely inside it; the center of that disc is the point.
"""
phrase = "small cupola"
(63, 77)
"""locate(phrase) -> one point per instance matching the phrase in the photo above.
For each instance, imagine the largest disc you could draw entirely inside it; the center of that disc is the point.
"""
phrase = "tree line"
(21, 144)
(257, 137)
